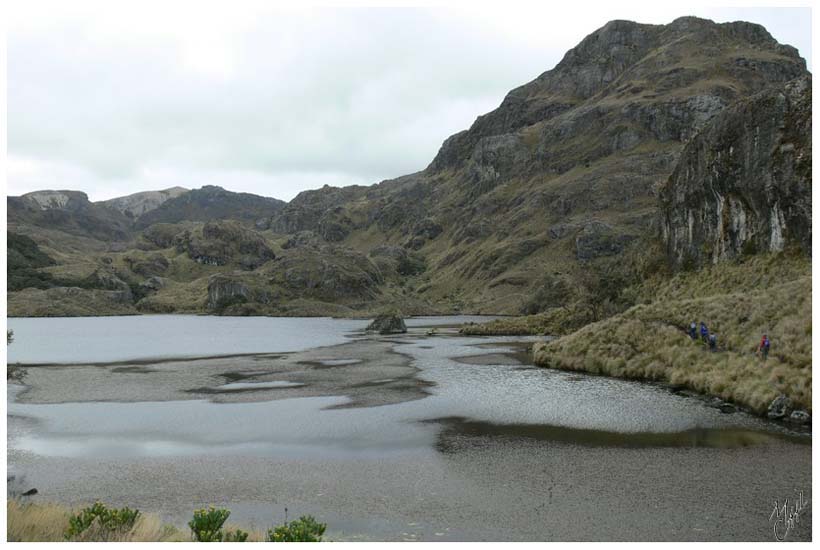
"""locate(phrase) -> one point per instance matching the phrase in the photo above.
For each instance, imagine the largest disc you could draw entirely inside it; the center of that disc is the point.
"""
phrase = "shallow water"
(487, 436)
(108, 339)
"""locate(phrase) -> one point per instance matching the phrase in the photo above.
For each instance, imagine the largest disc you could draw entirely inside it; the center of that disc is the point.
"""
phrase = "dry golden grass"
(767, 294)
(47, 522)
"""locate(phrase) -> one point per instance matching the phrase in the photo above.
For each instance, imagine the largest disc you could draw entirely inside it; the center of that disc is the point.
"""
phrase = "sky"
(114, 98)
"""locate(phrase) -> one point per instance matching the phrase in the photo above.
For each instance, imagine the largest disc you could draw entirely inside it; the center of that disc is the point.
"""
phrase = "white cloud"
(113, 98)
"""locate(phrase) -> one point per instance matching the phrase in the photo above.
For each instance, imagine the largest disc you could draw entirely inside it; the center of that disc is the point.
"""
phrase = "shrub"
(109, 521)
(305, 529)
(206, 526)
(235, 536)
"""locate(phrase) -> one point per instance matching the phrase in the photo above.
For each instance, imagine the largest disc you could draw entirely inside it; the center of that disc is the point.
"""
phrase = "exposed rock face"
(598, 239)
(149, 267)
(224, 291)
(138, 204)
(302, 239)
(224, 242)
(743, 184)
(328, 273)
(69, 211)
(399, 259)
(310, 209)
(160, 235)
(387, 324)
(103, 280)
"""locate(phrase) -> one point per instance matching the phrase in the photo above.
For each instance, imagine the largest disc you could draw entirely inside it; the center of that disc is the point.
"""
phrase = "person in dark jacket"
(693, 331)
(704, 333)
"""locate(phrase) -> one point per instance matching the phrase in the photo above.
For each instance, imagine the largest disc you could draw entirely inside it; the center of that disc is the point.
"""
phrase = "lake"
(406, 437)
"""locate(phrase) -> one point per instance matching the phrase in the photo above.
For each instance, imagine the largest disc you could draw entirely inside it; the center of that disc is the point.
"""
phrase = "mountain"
(565, 171)
(514, 214)
(70, 212)
(208, 203)
(138, 204)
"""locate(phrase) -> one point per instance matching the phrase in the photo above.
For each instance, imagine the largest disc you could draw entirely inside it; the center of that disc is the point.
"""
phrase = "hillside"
(511, 216)
(736, 225)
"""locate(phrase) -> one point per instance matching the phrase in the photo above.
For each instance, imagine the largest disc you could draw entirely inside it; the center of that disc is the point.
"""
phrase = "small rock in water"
(800, 417)
(388, 324)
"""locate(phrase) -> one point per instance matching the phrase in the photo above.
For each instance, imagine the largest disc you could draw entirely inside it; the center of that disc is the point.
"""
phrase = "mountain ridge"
(563, 175)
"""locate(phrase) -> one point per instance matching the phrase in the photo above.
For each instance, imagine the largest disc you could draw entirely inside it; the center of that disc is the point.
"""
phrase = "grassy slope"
(738, 301)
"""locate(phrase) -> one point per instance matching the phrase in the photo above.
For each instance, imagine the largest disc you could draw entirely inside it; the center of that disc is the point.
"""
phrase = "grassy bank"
(739, 301)
(555, 322)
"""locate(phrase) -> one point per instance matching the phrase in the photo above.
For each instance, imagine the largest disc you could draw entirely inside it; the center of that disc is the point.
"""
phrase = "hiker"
(713, 342)
(763, 348)
(704, 333)
(693, 331)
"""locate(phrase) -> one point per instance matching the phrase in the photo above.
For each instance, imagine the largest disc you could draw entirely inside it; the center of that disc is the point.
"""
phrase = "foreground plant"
(206, 526)
(305, 529)
(106, 522)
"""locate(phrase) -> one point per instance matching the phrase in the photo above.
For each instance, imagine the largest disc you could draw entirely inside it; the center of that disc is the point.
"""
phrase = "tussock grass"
(554, 322)
(737, 301)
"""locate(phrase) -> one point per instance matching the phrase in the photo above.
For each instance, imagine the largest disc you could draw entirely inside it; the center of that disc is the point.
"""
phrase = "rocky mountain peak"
(48, 200)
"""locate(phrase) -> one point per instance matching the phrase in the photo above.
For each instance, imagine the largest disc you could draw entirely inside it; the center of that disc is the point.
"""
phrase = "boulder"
(387, 324)
(780, 407)
(800, 417)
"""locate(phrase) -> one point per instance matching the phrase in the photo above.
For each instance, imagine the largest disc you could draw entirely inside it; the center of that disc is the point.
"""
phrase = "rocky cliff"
(743, 184)
(562, 177)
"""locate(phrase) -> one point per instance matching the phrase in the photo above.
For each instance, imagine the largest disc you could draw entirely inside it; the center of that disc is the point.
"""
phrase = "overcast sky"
(110, 100)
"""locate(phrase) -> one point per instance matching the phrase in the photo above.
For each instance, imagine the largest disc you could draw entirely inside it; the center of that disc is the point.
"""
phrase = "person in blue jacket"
(704, 333)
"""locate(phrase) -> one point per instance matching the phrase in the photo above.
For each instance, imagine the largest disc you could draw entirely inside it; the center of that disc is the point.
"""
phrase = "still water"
(485, 440)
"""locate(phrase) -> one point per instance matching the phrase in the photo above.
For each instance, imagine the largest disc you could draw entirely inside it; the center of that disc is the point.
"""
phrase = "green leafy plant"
(305, 529)
(108, 520)
(206, 526)
(235, 536)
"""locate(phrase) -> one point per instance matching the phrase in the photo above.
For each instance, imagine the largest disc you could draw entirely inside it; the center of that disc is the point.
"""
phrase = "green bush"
(108, 520)
(235, 536)
(207, 524)
(305, 529)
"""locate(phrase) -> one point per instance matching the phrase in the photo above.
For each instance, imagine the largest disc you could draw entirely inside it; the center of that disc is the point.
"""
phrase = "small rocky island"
(388, 323)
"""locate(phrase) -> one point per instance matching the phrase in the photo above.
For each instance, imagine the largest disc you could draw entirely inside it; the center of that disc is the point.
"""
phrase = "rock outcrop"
(224, 242)
(743, 184)
(387, 324)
